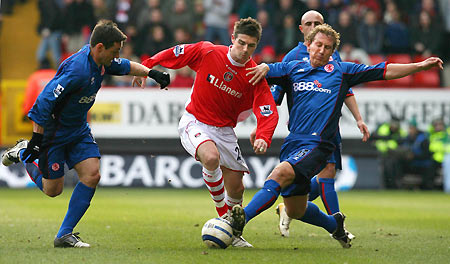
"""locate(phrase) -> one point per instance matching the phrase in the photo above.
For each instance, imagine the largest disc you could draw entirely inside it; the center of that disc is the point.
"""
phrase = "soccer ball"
(217, 233)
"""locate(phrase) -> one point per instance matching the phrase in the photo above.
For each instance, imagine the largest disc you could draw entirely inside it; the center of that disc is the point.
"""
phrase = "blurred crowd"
(368, 28)
(412, 158)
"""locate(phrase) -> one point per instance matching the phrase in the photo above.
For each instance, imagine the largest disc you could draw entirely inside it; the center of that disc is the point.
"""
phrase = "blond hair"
(326, 30)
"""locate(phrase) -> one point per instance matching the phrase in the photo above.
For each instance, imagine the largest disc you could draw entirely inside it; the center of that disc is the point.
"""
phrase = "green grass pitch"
(164, 226)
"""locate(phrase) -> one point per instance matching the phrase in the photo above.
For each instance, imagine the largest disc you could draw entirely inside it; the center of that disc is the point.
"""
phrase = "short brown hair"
(107, 33)
(248, 26)
(328, 31)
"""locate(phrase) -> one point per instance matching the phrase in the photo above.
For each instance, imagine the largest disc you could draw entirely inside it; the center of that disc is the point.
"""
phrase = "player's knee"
(328, 172)
(91, 179)
(52, 192)
(211, 160)
(284, 175)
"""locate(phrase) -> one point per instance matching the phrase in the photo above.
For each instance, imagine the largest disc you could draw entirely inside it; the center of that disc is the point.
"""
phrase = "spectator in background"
(50, 30)
(199, 26)
(158, 39)
(126, 13)
(269, 35)
(426, 38)
(179, 14)
(371, 34)
(79, 20)
(250, 8)
(183, 78)
(101, 10)
(416, 158)
(316, 5)
(439, 141)
(334, 9)
(288, 35)
(351, 53)
(396, 32)
(35, 84)
(145, 35)
(347, 30)
(287, 9)
(388, 136)
(268, 55)
(146, 14)
(182, 35)
(217, 16)
(445, 13)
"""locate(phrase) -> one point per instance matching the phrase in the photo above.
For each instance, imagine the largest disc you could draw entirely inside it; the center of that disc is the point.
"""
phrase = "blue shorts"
(336, 157)
(307, 155)
(53, 157)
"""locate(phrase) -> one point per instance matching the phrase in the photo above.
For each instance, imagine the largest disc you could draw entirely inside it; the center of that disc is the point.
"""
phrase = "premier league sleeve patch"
(179, 49)
(58, 90)
(265, 110)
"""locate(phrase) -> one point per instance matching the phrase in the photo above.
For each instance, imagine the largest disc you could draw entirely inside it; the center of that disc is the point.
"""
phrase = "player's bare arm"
(396, 70)
(351, 104)
(259, 72)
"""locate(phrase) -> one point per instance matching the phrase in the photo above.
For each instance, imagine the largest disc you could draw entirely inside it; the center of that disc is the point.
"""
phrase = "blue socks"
(329, 195)
(263, 199)
(33, 171)
(314, 216)
(79, 203)
(325, 188)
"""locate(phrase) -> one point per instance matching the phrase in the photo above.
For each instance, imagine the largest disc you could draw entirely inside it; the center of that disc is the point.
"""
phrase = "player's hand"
(253, 136)
(259, 72)
(138, 81)
(364, 130)
(33, 149)
(163, 78)
(260, 146)
(430, 63)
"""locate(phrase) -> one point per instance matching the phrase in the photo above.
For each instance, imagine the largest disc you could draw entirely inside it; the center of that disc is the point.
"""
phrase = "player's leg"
(326, 180)
(83, 156)
(208, 155)
(197, 141)
(234, 187)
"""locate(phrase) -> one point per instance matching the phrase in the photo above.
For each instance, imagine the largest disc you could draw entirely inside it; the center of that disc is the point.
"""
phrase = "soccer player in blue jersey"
(61, 133)
(323, 183)
(315, 98)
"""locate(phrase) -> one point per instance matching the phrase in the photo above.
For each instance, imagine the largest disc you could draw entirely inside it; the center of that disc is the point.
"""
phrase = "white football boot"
(11, 155)
(285, 220)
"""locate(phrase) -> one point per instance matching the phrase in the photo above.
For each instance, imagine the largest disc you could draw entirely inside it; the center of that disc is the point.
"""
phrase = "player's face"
(309, 22)
(110, 53)
(243, 47)
(320, 49)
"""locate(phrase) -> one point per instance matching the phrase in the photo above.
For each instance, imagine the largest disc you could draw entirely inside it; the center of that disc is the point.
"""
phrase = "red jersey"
(221, 90)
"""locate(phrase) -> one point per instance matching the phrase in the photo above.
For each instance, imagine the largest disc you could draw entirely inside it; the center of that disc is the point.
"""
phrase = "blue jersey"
(62, 107)
(316, 95)
(299, 53)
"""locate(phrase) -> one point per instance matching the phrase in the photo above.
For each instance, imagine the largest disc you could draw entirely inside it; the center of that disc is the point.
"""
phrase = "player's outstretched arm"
(139, 71)
(395, 70)
(259, 72)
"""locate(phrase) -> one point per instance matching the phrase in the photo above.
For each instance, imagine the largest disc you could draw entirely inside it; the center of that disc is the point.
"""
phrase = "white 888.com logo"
(309, 86)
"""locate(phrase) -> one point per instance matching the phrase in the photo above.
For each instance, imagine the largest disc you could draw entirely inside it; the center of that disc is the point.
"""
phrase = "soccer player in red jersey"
(221, 97)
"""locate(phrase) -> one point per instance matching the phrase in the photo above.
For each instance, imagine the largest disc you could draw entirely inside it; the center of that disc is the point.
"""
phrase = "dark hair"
(248, 26)
(107, 33)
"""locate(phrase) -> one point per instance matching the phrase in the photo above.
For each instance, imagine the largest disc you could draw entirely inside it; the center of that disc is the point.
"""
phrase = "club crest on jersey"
(55, 166)
(265, 110)
(179, 49)
(301, 154)
(228, 76)
(58, 90)
(329, 67)
(197, 135)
